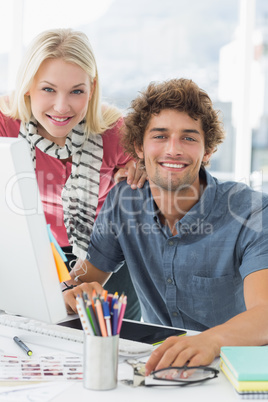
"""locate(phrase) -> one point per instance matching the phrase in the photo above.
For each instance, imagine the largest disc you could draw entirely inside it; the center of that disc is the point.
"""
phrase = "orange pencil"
(105, 294)
(101, 318)
(94, 293)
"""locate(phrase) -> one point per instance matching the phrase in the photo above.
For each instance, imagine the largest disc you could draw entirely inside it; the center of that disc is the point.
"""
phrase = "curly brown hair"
(179, 94)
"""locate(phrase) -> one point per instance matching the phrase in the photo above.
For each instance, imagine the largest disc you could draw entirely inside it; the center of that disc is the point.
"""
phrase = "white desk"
(218, 389)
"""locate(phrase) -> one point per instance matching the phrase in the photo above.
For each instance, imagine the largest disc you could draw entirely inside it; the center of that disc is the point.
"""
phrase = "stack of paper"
(15, 370)
(247, 369)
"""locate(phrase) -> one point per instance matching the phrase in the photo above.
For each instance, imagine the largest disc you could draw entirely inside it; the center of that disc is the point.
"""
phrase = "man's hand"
(249, 328)
(196, 350)
(70, 295)
(133, 172)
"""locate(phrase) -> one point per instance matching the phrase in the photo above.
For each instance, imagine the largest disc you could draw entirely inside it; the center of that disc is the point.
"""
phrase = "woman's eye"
(77, 92)
(48, 89)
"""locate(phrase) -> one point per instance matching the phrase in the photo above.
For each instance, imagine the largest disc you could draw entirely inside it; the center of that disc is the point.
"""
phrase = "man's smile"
(172, 165)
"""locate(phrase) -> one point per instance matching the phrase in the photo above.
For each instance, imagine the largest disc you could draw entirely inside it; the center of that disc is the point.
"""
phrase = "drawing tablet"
(137, 331)
(146, 333)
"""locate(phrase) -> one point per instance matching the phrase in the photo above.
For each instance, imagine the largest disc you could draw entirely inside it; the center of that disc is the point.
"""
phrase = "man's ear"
(207, 155)
(139, 151)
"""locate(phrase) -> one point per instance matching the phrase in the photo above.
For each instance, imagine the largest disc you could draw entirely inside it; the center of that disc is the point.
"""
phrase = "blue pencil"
(115, 318)
(107, 317)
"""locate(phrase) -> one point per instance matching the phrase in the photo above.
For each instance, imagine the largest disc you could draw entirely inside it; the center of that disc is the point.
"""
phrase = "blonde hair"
(72, 47)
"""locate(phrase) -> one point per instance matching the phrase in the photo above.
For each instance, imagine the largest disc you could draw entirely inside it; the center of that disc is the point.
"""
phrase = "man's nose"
(174, 147)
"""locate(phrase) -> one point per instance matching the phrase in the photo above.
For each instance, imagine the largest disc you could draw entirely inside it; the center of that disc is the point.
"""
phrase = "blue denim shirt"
(194, 279)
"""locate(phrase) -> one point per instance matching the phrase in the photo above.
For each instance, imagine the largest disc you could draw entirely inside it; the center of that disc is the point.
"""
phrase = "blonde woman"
(74, 139)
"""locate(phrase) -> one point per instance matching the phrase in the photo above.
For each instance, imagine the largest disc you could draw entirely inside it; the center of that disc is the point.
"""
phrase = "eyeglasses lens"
(184, 374)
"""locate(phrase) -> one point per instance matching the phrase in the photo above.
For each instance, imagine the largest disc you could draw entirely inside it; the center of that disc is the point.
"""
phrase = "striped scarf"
(81, 191)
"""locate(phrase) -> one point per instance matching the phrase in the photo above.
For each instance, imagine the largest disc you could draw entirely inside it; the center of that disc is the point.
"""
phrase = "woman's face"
(59, 95)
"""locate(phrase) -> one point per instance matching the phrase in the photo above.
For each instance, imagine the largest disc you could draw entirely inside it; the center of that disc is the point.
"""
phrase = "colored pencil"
(121, 314)
(101, 318)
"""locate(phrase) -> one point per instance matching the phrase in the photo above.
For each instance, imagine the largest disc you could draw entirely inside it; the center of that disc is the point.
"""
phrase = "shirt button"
(171, 242)
(175, 314)
(64, 176)
(169, 281)
(50, 176)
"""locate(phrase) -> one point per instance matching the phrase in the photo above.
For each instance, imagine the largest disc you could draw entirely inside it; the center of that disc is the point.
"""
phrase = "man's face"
(173, 150)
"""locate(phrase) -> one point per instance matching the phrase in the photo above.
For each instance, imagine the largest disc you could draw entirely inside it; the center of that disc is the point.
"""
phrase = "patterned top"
(52, 174)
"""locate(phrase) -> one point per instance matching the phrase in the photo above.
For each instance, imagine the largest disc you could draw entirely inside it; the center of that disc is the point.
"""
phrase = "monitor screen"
(29, 283)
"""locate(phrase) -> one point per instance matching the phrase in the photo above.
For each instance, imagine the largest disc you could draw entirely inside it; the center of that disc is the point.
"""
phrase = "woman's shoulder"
(115, 130)
(8, 126)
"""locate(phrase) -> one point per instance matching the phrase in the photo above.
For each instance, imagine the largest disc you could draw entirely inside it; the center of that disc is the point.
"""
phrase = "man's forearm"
(84, 271)
(78, 273)
(73, 281)
(249, 328)
(245, 329)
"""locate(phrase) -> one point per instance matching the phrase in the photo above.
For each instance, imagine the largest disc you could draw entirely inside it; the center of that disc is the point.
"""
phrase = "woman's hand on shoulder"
(133, 172)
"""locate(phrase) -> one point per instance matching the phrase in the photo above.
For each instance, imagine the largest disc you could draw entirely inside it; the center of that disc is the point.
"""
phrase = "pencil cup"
(100, 362)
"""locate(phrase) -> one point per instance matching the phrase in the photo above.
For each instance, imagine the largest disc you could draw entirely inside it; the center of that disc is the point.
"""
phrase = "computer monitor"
(29, 283)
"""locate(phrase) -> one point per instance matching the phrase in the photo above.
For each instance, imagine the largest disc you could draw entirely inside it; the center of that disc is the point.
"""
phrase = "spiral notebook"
(253, 395)
(247, 369)
(247, 363)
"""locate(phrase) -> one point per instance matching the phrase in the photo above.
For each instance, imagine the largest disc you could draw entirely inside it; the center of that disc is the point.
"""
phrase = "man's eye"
(159, 137)
(189, 139)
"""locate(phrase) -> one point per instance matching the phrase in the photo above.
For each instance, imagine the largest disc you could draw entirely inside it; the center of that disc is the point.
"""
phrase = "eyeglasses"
(181, 375)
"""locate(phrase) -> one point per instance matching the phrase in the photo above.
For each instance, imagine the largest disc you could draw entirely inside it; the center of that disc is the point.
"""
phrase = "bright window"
(136, 42)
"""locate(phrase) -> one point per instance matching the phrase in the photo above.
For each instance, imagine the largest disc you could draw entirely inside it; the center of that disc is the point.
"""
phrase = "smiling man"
(173, 150)
(196, 248)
